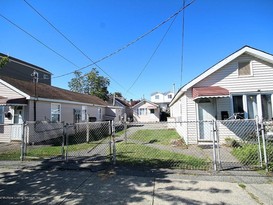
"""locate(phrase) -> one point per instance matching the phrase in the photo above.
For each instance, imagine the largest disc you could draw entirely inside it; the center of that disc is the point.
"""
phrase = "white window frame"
(250, 67)
(139, 112)
(59, 112)
(99, 113)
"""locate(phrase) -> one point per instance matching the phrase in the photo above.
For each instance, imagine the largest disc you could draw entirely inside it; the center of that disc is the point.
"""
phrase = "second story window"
(244, 68)
(170, 96)
(157, 97)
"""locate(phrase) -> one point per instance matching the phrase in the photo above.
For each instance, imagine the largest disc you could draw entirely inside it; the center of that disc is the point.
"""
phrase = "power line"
(39, 41)
(73, 44)
(132, 42)
(146, 65)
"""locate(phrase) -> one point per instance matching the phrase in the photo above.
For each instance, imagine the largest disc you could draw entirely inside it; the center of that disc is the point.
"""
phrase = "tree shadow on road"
(52, 182)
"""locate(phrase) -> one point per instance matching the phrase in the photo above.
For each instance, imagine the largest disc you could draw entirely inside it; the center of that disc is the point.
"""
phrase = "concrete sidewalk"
(32, 184)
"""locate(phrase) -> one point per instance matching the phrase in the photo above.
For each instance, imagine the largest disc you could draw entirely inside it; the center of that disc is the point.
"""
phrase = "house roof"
(50, 92)
(163, 93)
(143, 102)
(24, 63)
(246, 49)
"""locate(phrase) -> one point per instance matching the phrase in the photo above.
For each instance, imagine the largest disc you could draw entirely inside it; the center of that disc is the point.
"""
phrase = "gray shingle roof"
(51, 92)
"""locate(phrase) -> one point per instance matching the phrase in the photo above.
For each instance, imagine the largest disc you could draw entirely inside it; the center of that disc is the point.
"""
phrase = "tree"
(91, 83)
(97, 85)
(78, 83)
(3, 61)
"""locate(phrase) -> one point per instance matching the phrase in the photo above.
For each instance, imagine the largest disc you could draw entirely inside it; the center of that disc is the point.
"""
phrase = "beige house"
(22, 101)
(146, 111)
(26, 94)
(238, 87)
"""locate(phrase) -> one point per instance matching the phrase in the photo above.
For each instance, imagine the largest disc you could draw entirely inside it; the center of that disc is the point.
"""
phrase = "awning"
(209, 92)
(16, 101)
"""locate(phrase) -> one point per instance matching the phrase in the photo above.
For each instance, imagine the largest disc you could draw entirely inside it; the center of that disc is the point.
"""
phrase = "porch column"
(259, 106)
(245, 106)
(272, 104)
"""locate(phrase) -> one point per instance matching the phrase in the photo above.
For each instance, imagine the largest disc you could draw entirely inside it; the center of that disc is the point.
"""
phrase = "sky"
(163, 60)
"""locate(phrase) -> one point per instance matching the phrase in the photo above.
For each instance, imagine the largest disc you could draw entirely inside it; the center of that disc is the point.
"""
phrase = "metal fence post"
(259, 141)
(264, 146)
(63, 141)
(87, 129)
(23, 142)
(125, 131)
(214, 150)
(66, 142)
(114, 143)
(110, 138)
(218, 144)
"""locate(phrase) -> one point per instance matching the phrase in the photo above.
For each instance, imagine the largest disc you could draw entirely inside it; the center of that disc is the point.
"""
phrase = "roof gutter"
(65, 101)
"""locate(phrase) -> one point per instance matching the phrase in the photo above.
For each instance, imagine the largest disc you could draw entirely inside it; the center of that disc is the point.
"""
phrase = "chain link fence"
(202, 145)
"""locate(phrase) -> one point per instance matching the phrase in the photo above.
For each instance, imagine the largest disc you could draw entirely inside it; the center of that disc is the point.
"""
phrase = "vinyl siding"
(227, 77)
(67, 111)
(192, 131)
(223, 104)
(8, 93)
(5, 133)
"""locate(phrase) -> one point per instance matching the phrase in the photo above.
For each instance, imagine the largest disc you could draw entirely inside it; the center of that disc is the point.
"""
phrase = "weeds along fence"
(202, 145)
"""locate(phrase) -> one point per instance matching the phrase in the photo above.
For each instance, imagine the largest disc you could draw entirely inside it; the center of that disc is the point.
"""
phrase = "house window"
(46, 76)
(2, 115)
(142, 111)
(157, 97)
(170, 96)
(55, 112)
(77, 115)
(238, 108)
(152, 111)
(252, 106)
(84, 113)
(244, 68)
(267, 107)
(100, 113)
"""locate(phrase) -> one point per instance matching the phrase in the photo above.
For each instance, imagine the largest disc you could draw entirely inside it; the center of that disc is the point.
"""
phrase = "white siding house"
(238, 87)
(162, 99)
(146, 111)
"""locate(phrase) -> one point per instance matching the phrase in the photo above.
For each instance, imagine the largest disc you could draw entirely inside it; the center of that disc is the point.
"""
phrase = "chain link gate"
(243, 147)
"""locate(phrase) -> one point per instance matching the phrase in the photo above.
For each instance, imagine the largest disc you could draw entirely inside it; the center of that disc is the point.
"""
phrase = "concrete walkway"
(42, 183)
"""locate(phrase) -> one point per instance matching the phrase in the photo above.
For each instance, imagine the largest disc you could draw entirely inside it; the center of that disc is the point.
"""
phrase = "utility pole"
(35, 76)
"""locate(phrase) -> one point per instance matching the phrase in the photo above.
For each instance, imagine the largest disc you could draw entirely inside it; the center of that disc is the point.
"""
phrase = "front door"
(17, 127)
(206, 110)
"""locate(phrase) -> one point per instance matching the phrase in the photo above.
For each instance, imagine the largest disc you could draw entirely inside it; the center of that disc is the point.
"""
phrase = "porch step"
(205, 143)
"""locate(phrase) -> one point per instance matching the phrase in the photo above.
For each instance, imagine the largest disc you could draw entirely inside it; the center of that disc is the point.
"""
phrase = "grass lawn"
(248, 154)
(141, 155)
(161, 136)
(46, 151)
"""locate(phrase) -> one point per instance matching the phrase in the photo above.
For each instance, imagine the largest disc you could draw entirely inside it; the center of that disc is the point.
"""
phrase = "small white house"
(238, 87)
(146, 111)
